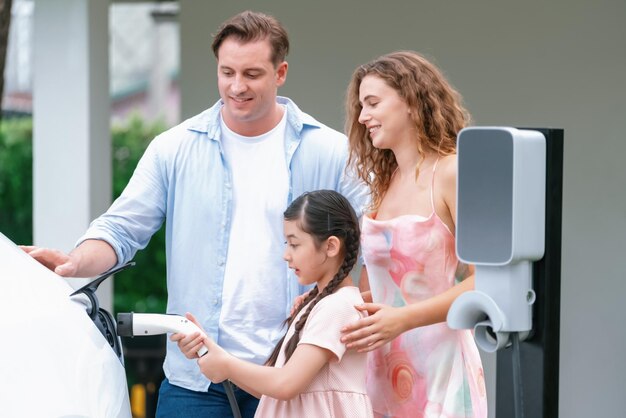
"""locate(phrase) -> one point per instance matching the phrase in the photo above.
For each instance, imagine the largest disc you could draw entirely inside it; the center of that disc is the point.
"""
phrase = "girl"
(403, 118)
(309, 373)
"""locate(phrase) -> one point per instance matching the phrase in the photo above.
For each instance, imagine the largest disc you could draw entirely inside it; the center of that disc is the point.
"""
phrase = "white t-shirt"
(254, 296)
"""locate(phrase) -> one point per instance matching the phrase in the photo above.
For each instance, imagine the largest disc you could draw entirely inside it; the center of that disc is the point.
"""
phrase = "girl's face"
(311, 264)
(384, 113)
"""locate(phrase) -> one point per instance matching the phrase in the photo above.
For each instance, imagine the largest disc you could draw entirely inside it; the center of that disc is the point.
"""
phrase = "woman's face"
(384, 113)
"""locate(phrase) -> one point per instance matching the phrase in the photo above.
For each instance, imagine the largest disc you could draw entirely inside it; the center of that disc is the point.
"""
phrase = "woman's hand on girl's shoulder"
(382, 325)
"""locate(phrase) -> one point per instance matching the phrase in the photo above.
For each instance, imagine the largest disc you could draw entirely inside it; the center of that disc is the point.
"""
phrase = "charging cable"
(518, 389)
(230, 393)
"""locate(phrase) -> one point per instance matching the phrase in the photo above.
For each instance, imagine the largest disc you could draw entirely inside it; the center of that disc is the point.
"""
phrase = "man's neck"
(256, 127)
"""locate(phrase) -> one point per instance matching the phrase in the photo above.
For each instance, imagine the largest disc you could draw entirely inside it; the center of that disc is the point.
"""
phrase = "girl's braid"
(271, 361)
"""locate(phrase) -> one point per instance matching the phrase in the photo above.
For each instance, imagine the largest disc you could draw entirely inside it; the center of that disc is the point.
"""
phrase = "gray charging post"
(509, 195)
(540, 352)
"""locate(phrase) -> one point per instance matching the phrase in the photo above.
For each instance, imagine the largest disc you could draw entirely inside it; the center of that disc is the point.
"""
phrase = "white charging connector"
(137, 324)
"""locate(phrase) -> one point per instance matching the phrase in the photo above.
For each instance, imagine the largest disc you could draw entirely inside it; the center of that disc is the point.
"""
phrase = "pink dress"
(338, 390)
(432, 371)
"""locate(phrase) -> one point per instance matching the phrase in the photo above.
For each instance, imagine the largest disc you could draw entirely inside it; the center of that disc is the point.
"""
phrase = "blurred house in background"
(143, 60)
(532, 64)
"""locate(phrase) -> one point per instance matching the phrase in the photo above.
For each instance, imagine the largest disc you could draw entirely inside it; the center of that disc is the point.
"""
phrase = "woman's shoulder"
(447, 164)
(447, 170)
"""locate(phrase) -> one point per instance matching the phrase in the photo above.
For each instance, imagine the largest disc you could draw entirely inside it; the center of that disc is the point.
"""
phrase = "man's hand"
(297, 302)
(55, 260)
(383, 324)
(90, 258)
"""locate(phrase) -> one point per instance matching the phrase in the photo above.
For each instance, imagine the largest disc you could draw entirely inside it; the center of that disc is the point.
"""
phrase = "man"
(221, 181)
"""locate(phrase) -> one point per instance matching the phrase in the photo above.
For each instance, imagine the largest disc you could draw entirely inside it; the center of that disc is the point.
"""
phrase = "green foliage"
(143, 287)
(16, 180)
(139, 289)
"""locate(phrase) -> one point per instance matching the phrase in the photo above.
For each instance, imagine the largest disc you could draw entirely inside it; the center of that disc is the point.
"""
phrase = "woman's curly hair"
(436, 110)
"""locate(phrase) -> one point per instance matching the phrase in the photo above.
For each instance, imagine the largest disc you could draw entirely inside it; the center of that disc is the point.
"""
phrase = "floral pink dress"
(432, 371)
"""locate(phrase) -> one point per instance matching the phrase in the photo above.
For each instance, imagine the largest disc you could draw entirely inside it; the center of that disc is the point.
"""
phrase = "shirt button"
(216, 301)
(220, 263)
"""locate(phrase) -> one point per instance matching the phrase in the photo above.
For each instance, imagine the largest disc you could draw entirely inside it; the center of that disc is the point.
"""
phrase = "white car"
(54, 362)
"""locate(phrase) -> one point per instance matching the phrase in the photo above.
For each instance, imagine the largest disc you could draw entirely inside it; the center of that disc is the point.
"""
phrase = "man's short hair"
(254, 26)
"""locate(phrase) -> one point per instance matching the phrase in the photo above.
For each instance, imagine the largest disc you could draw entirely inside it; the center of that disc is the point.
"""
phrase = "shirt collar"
(208, 122)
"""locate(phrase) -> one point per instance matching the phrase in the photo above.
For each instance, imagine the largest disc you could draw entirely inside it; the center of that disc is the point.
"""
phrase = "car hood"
(53, 359)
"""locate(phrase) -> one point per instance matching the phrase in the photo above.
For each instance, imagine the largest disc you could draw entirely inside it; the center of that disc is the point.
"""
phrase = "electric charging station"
(509, 198)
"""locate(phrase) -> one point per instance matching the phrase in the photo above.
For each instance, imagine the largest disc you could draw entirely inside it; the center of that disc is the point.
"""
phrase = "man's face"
(248, 83)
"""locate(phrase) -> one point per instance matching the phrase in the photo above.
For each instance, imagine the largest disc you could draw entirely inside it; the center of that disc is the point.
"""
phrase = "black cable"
(518, 390)
(230, 393)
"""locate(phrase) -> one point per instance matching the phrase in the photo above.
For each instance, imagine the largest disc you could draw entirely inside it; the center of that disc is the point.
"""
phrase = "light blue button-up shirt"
(184, 180)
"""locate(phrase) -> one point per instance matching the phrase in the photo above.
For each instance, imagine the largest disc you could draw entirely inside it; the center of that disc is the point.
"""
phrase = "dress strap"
(432, 187)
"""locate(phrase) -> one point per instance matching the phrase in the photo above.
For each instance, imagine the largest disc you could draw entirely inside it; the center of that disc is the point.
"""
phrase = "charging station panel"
(500, 195)
(485, 196)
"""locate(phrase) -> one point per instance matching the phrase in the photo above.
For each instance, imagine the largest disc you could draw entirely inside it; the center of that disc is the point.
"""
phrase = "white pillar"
(71, 144)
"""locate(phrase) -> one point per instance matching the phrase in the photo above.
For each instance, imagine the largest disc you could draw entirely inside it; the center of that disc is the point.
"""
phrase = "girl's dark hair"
(322, 214)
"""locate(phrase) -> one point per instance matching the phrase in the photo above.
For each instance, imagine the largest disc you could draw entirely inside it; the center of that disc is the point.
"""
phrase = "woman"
(402, 121)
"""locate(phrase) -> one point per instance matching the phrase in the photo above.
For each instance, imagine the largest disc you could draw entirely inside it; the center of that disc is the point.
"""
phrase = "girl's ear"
(333, 246)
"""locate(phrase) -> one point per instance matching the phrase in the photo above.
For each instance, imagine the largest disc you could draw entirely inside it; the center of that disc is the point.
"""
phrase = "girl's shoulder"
(348, 294)
(341, 302)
